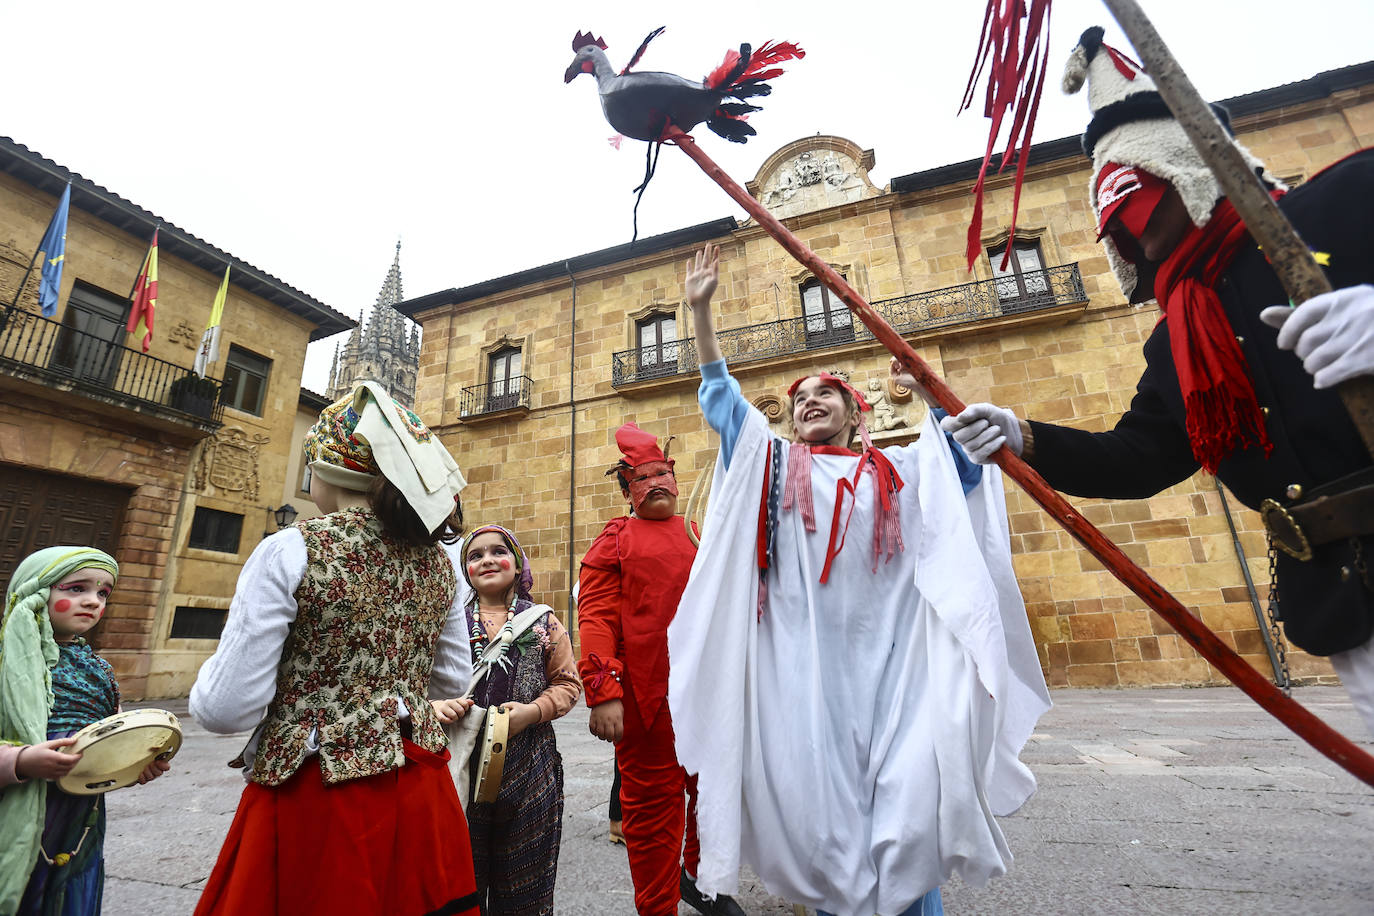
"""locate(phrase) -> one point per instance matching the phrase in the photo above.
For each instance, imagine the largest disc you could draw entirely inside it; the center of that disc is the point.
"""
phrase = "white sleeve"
(235, 684)
(453, 653)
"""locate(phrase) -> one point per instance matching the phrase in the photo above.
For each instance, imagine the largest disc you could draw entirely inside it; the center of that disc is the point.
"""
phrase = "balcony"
(495, 397)
(967, 303)
(44, 351)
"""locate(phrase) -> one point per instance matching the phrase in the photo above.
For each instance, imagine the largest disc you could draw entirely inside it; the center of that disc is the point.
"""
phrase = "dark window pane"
(212, 529)
(245, 380)
(197, 623)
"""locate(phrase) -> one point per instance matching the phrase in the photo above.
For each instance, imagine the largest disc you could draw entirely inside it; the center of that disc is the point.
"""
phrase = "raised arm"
(703, 273)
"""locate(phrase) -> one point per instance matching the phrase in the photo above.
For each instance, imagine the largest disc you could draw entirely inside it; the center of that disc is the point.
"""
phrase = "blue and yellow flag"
(54, 248)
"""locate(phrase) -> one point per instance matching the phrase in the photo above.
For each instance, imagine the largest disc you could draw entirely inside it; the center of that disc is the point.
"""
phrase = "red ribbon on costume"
(887, 530)
(599, 676)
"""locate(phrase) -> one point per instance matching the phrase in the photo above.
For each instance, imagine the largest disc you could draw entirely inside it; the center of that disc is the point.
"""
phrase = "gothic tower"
(383, 348)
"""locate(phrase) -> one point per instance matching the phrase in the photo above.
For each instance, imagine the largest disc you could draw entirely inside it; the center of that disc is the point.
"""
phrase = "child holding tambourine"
(515, 838)
(53, 685)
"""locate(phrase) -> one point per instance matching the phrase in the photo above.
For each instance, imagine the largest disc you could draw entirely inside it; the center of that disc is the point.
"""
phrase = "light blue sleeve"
(723, 405)
(970, 474)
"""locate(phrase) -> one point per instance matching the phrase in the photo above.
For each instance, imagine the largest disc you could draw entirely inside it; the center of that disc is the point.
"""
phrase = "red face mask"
(650, 476)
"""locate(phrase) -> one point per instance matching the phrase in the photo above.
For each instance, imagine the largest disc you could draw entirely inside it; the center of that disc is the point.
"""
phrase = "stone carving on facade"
(774, 410)
(813, 174)
(185, 334)
(229, 461)
(884, 415)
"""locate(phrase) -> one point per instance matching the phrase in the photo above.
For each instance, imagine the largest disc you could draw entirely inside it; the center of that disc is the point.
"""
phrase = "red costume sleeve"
(598, 618)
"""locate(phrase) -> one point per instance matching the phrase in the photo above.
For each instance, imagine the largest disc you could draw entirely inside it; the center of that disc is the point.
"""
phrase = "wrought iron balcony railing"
(964, 304)
(59, 355)
(505, 394)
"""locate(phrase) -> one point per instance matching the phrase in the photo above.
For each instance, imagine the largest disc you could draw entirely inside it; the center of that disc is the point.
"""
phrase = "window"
(828, 321)
(503, 379)
(1024, 281)
(212, 529)
(87, 346)
(197, 623)
(656, 343)
(245, 380)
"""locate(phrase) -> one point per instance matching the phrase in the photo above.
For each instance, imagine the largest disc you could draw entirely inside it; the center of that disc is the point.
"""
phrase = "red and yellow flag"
(145, 295)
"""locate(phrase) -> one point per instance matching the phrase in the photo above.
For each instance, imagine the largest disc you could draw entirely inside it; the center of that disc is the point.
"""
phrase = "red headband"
(834, 381)
(1129, 194)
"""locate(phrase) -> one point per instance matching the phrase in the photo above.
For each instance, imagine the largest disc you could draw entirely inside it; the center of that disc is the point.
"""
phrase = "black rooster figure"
(644, 105)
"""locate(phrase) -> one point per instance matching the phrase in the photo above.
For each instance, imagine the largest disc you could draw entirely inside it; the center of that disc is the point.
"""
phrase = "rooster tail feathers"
(743, 72)
(734, 109)
(639, 52)
(730, 69)
(749, 89)
(772, 53)
(730, 126)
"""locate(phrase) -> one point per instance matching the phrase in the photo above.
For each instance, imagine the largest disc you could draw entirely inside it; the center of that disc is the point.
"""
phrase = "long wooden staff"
(1307, 726)
(1291, 259)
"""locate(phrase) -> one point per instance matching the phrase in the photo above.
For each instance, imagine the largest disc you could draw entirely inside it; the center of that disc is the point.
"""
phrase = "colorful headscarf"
(28, 653)
(366, 434)
(524, 576)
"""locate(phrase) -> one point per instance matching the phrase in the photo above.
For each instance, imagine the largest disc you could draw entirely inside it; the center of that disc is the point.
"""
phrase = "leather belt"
(1324, 517)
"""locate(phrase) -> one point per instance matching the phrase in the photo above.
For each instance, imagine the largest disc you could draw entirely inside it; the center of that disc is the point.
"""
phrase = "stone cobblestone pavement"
(1152, 800)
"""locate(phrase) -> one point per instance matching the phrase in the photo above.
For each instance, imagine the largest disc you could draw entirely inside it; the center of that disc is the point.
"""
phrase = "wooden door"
(38, 510)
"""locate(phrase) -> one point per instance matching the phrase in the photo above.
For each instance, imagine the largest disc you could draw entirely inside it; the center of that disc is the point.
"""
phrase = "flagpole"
(1298, 718)
(33, 260)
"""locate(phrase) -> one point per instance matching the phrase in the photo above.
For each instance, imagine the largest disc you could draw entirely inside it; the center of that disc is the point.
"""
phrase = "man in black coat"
(1222, 389)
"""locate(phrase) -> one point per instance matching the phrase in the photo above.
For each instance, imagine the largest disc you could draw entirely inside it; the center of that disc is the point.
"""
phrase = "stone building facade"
(384, 348)
(527, 376)
(103, 444)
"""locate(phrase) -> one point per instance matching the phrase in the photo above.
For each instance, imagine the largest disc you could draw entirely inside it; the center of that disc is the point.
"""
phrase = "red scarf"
(1222, 413)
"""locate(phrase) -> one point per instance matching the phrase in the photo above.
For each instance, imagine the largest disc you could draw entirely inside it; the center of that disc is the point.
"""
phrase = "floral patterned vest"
(370, 610)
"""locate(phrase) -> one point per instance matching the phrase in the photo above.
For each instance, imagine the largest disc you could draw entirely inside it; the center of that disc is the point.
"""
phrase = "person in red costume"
(629, 587)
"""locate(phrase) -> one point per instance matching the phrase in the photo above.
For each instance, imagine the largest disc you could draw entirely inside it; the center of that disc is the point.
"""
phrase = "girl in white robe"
(852, 738)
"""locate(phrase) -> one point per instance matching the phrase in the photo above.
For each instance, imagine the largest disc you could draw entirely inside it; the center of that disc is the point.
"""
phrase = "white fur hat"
(1132, 125)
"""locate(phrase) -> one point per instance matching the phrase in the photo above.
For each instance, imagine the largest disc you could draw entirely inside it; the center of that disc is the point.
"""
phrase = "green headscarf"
(28, 654)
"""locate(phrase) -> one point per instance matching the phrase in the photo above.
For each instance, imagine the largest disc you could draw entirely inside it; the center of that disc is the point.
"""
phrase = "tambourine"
(493, 763)
(115, 750)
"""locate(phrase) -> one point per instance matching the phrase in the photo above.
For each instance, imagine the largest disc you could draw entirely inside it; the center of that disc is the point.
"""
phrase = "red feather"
(766, 55)
(771, 53)
(716, 76)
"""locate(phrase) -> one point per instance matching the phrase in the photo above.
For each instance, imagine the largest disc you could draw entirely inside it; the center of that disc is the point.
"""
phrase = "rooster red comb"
(582, 39)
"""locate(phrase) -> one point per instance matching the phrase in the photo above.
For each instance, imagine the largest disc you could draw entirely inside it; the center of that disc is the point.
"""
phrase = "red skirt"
(394, 844)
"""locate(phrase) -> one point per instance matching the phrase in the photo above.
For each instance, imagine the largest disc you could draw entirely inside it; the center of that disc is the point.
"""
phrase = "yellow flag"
(209, 341)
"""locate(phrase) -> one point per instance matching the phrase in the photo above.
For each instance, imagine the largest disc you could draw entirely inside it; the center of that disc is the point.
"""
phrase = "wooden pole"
(1290, 257)
(1291, 713)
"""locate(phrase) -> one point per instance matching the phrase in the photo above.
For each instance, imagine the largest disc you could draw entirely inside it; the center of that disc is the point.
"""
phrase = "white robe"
(853, 745)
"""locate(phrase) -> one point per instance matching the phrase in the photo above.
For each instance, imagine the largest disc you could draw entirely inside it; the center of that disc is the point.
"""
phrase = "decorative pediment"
(813, 174)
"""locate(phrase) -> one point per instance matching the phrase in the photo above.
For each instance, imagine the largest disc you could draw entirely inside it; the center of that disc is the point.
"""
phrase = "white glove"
(1333, 334)
(982, 428)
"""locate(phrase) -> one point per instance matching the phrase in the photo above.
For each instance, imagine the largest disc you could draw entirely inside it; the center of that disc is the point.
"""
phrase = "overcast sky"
(306, 138)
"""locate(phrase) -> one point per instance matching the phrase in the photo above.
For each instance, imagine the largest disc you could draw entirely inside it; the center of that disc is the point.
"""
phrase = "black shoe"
(722, 905)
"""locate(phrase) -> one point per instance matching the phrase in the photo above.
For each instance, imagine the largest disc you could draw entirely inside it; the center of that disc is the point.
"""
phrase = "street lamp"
(285, 515)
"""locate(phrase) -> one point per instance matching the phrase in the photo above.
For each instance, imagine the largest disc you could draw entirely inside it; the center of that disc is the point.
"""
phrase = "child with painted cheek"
(515, 839)
(54, 599)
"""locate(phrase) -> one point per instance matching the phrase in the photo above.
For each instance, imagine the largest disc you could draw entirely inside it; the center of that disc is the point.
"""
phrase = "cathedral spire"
(378, 349)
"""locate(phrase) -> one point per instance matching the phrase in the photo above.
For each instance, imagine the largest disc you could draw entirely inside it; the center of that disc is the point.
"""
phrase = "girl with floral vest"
(515, 839)
(341, 629)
